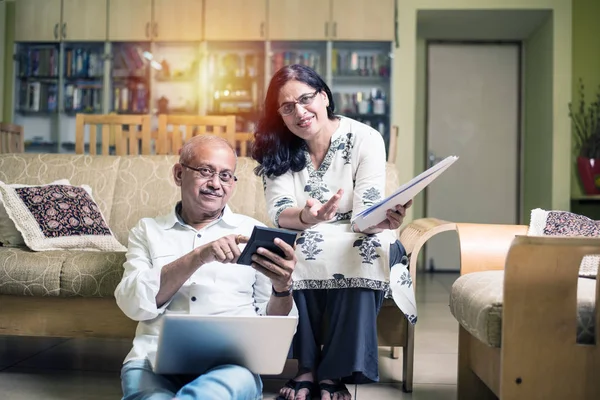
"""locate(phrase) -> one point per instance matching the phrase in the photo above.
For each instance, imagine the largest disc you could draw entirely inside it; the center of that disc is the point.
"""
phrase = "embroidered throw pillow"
(9, 234)
(58, 217)
(564, 223)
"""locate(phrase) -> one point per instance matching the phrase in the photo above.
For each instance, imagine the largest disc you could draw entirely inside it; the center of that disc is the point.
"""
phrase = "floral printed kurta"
(329, 254)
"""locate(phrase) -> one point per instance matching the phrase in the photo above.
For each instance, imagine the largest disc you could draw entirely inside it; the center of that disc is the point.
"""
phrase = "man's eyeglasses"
(226, 177)
(289, 107)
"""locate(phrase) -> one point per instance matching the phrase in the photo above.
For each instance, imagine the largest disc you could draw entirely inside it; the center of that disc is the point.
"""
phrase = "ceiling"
(479, 24)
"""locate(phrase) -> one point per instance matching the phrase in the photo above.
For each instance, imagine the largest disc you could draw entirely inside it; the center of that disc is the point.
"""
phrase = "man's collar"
(174, 217)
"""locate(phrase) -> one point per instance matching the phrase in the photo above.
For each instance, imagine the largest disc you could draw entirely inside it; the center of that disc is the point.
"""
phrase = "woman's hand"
(315, 212)
(394, 218)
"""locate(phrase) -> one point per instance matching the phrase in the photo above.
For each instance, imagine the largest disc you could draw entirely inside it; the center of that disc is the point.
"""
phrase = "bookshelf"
(57, 80)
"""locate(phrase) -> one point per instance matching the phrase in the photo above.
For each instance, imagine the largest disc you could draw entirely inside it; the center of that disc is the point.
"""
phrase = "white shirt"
(330, 256)
(231, 289)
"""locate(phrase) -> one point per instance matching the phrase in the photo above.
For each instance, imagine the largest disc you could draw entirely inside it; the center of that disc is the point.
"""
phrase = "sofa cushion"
(476, 303)
(59, 273)
(91, 274)
(99, 172)
(564, 223)
(144, 187)
(28, 273)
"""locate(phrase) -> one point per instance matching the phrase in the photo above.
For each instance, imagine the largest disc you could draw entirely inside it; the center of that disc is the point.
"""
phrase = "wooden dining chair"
(243, 143)
(128, 134)
(174, 130)
(11, 138)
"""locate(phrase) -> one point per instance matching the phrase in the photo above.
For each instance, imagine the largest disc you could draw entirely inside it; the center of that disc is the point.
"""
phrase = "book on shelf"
(377, 212)
(311, 59)
(37, 96)
(84, 96)
(84, 62)
(38, 61)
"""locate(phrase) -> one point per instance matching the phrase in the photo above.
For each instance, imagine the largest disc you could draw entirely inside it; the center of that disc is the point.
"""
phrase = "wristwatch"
(281, 294)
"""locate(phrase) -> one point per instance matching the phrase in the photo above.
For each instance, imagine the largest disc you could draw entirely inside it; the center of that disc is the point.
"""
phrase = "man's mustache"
(211, 192)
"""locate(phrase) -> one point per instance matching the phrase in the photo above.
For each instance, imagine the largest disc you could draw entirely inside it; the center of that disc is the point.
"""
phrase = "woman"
(319, 170)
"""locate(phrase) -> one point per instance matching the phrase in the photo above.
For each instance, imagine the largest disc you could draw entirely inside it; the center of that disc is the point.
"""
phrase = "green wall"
(586, 60)
(7, 111)
(537, 121)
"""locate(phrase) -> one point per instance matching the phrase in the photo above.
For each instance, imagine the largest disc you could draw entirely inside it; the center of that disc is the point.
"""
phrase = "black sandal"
(299, 385)
(333, 388)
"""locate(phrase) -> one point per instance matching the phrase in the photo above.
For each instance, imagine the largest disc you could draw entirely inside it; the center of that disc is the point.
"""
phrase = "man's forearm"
(280, 305)
(174, 275)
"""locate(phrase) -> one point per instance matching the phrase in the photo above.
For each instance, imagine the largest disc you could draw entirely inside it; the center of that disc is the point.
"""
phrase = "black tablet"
(264, 237)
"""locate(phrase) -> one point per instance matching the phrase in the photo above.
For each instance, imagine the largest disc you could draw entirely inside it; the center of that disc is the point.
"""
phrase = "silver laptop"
(193, 344)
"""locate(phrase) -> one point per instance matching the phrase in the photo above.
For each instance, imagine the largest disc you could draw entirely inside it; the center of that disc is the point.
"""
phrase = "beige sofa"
(527, 322)
(70, 293)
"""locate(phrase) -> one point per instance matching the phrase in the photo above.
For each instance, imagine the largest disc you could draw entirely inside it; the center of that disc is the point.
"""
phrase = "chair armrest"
(484, 247)
(539, 317)
(414, 235)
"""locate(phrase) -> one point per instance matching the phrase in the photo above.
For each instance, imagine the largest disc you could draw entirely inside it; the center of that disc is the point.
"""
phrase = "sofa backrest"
(128, 188)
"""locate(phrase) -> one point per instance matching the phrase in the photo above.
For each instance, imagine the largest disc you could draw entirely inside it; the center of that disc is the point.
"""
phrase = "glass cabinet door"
(361, 82)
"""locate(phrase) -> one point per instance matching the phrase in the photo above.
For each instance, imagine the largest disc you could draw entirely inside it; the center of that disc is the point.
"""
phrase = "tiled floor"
(82, 369)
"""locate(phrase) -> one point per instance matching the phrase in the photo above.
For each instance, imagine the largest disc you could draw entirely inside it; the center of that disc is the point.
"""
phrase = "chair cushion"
(476, 303)
(59, 273)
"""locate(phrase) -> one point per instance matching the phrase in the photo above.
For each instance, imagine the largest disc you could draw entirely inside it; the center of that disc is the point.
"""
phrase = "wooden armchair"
(529, 313)
(393, 329)
(125, 141)
(11, 138)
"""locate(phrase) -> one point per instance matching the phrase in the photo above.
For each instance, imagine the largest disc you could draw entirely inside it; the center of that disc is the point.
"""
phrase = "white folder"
(377, 212)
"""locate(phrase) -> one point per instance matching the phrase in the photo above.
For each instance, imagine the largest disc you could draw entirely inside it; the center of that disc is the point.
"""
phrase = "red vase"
(589, 172)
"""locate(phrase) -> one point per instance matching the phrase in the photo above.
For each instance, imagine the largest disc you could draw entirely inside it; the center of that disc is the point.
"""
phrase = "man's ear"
(177, 171)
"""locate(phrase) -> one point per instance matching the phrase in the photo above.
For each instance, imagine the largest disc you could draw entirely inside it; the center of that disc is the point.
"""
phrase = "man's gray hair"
(187, 151)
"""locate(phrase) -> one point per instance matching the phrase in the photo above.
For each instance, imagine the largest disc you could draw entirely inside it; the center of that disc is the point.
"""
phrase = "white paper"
(377, 212)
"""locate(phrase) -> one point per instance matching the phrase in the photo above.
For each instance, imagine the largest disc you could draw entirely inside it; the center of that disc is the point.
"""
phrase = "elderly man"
(195, 247)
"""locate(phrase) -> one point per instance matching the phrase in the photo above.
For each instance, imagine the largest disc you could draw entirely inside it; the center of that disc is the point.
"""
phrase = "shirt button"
(199, 235)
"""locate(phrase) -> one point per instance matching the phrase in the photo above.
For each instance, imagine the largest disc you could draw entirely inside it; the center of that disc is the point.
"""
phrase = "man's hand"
(315, 212)
(278, 269)
(224, 249)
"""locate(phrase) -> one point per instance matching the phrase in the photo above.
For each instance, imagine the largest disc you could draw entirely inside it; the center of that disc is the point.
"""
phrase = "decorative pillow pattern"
(564, 223)
(61, 210)
(9, 234)
(58, 217)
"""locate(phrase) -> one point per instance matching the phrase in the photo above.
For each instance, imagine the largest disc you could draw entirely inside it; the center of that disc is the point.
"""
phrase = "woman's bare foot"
(301, 389)
(331, 390)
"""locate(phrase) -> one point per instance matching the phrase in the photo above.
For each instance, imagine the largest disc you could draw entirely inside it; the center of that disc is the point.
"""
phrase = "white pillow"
(58, 217)
(9, 234)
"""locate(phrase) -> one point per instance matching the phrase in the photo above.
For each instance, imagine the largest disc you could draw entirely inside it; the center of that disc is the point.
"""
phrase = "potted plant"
(586, 140)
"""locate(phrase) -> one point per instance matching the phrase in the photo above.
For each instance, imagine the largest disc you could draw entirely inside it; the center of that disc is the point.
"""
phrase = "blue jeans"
(227, 382)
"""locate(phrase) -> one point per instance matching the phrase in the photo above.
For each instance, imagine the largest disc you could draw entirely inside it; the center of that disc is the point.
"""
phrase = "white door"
(473, 112)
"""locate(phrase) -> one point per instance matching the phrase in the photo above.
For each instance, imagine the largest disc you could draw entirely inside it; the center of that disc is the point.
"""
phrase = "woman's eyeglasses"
(226, 177)
(289, 107)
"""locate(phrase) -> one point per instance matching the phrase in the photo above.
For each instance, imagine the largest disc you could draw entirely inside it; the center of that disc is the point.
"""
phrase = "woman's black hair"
(275, 147)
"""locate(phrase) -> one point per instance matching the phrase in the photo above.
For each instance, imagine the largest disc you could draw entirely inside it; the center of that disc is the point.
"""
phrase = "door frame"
(520, 124)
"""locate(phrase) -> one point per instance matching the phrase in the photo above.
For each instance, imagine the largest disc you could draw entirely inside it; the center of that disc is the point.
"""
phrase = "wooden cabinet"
(364, 20)
(177, 20)
(299, 20)
(37, 20)
(356, 20)
(235, 19)
(130, 20)
(84, 20)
